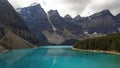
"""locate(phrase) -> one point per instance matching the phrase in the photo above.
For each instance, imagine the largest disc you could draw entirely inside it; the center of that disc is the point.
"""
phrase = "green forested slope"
(106, 43)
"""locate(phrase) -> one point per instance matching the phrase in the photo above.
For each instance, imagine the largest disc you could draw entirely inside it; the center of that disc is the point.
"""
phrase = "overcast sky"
(73, 7)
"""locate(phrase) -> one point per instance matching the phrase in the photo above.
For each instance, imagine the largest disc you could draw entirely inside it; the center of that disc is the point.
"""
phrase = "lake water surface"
(57, 57)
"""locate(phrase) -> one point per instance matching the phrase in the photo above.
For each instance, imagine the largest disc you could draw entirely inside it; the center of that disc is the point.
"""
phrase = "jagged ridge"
(79, 28)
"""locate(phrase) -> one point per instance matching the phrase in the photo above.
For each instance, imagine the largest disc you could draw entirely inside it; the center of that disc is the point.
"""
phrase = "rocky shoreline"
(100, 51)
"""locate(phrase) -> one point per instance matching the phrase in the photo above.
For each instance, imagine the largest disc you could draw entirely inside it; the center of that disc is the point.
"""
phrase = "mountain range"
(51, 28)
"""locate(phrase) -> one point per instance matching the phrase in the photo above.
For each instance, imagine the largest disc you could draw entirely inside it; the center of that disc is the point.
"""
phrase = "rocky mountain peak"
(102, 13)
(68, 16)
(35, 6)
(106, 11)
(37, 20)
(53, 13)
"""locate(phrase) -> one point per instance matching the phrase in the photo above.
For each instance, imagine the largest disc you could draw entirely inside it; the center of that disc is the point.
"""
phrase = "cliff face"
(12, 21)
(13, 29)
(102, 22)
(37, 20)
(117, 19)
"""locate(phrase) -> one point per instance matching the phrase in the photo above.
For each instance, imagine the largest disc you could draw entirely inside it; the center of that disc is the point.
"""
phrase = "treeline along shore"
(110, 43)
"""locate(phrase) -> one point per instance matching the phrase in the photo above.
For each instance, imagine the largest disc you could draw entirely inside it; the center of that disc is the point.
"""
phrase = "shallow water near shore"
(57, 57)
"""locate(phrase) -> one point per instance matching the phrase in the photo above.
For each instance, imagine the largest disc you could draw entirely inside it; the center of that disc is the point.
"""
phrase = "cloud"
(14, 3)
(73, 7)
(22, 3)
(84, 7)
(99, 5)
(78, 6)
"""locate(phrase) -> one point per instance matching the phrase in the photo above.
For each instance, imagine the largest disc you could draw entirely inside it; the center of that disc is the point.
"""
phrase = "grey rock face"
(37, 20)
(12, 23)
(102, 22)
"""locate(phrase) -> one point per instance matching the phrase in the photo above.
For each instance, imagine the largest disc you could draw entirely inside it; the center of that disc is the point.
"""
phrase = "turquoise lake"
(57, 57)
